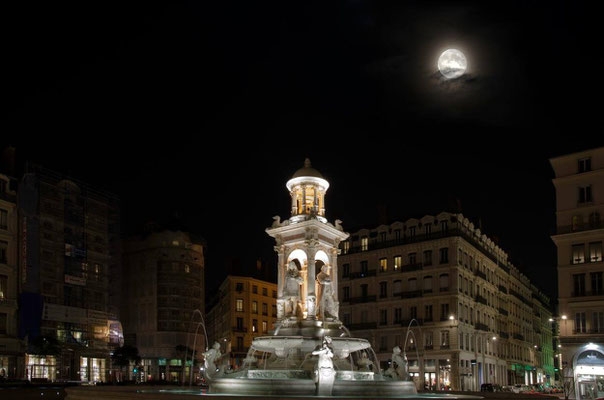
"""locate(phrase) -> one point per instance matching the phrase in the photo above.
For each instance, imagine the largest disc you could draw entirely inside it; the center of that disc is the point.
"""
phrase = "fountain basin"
(280, 345)
(172, 393)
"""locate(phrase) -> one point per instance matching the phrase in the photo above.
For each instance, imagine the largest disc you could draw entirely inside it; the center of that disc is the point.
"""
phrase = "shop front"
(588, 370)
(40, 368)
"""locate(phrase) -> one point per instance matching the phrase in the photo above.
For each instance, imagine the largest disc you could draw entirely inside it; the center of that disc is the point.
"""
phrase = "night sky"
(202, 110)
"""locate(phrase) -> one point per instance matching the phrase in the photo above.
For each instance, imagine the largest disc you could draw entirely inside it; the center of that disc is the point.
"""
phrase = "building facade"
(579, 237)
(11, 347)
(470, 310)
(243, 309)
(68, 262)
(163, 302)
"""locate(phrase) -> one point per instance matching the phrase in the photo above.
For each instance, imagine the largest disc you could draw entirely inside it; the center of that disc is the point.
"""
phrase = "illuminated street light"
(564, 317)
(451, 317)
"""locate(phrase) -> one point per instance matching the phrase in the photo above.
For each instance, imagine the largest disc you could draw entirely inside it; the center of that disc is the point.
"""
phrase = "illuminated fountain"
(310, 352)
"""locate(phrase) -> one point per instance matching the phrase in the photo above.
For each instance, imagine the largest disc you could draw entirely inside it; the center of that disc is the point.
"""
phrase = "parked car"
(507, 388)
(490, 387)
(519, 388)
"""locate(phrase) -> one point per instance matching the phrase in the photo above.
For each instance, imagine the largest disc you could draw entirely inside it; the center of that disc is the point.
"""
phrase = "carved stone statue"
(339, 225)
(325, 372)
(328, 305)
(364, 363)
(399, 367)
(291, 290)
(276, 221)
(210, 357)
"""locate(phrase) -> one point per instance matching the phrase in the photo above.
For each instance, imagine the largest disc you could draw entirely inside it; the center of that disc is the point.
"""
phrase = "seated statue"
(328, 304)
(291, 290)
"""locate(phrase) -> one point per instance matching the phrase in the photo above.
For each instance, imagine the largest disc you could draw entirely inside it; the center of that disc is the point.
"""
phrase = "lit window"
(383, 264)
(364, 243)
(578, 254)
(240, 305)
(187, 268)
(346, 247)
(398, 262)
(595, 252)
(255, 307)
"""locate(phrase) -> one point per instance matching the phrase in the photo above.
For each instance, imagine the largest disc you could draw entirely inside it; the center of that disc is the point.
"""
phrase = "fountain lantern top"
(307, 189)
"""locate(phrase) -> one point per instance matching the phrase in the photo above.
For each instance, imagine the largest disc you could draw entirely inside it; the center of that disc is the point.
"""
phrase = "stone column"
(280, 250)
(280, 280)
(311, 297)
(455, 371)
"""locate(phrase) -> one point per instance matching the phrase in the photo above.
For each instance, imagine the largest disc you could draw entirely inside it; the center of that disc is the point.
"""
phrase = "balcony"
(363, 274)
(518, 296)
(409, 294)
(503, 311)
(443, 289)
(362, 299)
(406, 322)
(480, 299)
(362, 326)
(411, 267)
(504, 335)
(429, 347)
(8, 302)
(239, 329)
(445, 347)
(588, 293)
(561, 230)
(518, 336)
(480, 274)
(502, 289)
(481, 327)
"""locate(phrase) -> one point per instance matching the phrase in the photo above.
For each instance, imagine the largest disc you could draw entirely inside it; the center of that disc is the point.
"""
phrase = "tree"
(45, 346)
(122, 356)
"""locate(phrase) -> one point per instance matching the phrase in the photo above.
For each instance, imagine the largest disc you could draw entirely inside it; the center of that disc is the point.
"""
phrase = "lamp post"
(556, 334)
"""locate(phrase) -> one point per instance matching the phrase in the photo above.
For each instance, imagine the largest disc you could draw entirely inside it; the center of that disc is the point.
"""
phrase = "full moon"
(452, 63)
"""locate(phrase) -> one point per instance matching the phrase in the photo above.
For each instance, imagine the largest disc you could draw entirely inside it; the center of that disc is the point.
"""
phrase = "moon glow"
(452, 63)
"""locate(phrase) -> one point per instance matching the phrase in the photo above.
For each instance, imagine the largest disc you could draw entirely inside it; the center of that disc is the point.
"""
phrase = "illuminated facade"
(243, 309)
(69, 275)
(476, 310)
(579, 184)
(163, 286)
(11, 351)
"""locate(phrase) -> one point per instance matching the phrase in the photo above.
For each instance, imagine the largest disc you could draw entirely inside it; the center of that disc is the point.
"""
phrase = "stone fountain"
(310, 351)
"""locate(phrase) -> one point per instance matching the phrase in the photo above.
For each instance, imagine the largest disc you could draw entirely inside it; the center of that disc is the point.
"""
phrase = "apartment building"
(242, 309)
(69, 276)
(11, 347)
(470, 310)
(579, 185)
(163, 301)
